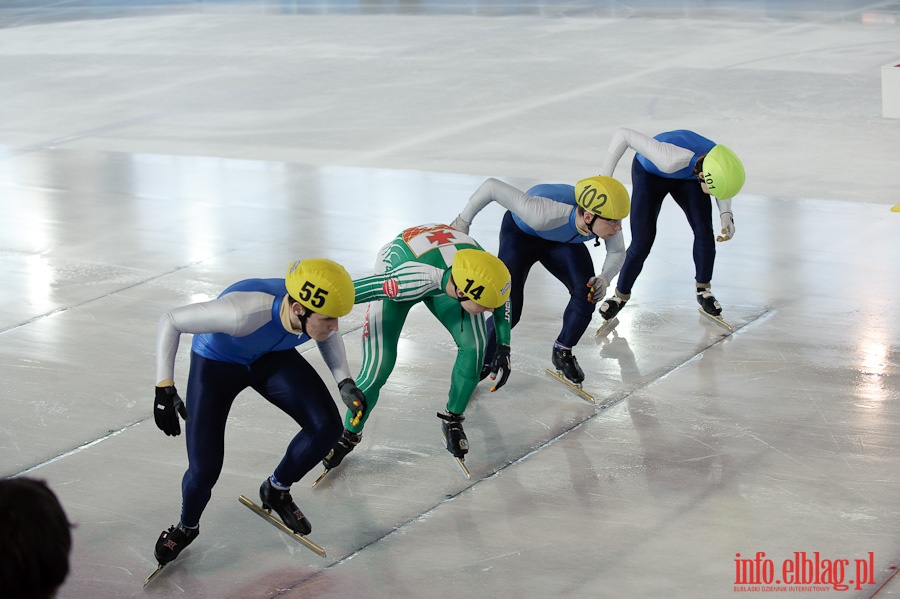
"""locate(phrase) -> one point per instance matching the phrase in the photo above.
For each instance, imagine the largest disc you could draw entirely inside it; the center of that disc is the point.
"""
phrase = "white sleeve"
(335, 355)
(668, 158)
(724, 206)
(238, 314)
(615, 256)
(535, 211)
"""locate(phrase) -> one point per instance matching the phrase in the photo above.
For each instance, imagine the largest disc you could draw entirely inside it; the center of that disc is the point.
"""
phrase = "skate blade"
(265, 515)
(321, 476)
(716, 319)
(572, 387)
(461, 462)
(607, 326)
(150, 578)
(462, 466)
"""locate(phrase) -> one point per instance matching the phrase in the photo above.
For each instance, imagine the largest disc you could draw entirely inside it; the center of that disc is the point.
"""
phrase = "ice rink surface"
(152, 153)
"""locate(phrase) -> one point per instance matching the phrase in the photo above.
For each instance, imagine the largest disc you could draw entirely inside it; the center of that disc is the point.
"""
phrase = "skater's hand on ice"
(501, 365)
(354, 399)
(597, 287)
(166, 408)
(727, 227)
(460, 225)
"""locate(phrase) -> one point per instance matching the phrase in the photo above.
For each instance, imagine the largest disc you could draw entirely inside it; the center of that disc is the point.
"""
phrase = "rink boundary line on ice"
(112, 433)
(34, 319)
(601, 408)
(78, 449)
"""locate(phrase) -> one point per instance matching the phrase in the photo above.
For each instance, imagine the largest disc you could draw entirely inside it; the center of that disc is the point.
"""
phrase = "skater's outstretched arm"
(667, 157)
(234, 314)
(537, 212)
(408, 282)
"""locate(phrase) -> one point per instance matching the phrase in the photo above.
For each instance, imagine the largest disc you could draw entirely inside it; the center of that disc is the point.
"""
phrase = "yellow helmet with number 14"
(482, 277)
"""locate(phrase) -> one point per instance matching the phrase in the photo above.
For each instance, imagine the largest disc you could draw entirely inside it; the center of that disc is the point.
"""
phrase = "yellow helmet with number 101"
(482, 277)
(321, 285)
(723, 173)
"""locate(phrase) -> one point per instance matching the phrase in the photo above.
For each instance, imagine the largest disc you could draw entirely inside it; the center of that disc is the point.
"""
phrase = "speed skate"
(607, 326)
(574, 388)
(274, 521)
(461, 462)
(716, 319)
(159, 568)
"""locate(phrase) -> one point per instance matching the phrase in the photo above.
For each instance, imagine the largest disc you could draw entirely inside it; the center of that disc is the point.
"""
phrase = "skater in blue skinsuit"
(690, 168)
(247, 338)
(549, 224)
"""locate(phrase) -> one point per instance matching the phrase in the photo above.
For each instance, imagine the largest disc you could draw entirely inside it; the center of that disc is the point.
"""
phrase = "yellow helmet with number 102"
(603, 196)
(482, 277)
(321, 285)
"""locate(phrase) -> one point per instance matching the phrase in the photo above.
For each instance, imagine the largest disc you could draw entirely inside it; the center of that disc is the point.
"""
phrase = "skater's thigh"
(697, 207)
(519, 251)
(648, 193)
(212, 387)
(469, 331)
(291, 384)
(571, 264)
(380, 337)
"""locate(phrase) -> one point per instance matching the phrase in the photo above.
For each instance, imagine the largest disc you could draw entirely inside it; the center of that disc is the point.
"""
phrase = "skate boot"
(284, 506)
(173, 541)
(708, 301)
(611, 306)
(565, 362)
(340, 450)
(454, 435)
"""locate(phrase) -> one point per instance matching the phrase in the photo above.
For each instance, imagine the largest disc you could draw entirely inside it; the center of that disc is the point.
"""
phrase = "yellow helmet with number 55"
(321, 285)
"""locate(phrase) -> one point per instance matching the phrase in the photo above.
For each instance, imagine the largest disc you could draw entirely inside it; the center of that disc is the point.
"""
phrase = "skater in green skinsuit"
(458, 282)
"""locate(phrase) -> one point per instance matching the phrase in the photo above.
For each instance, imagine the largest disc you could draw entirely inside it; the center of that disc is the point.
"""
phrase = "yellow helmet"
(723, 173)
(482, 277)
(322, 286)
(603, 196)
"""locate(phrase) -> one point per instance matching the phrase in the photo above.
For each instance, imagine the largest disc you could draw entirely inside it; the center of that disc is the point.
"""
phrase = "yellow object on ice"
(896, 208)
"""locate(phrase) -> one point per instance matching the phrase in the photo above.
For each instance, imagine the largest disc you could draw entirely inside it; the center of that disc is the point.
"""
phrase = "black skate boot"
(454, 435)
(340, 450)
(611, 306)
(284, 506)
(565, 362)
(708, 301)
(173, 541)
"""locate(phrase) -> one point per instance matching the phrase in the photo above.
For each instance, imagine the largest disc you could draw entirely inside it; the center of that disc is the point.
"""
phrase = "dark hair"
(698, 165)
(35, 540)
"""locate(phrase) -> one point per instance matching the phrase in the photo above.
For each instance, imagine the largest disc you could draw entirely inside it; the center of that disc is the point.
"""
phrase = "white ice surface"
(152, 154)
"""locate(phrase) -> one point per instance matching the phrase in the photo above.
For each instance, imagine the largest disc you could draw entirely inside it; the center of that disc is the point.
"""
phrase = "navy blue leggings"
(569, 262)
(646, 201)
(287, 381)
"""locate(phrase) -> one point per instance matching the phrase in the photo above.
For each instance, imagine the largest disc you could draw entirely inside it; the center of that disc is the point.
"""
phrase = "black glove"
(501, 363)
(166, 408)
(354, 399)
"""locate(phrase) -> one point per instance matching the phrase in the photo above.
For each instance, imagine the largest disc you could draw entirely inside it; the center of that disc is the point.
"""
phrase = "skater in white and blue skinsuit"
(690, 168)
(247, 338)
(550, 224)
